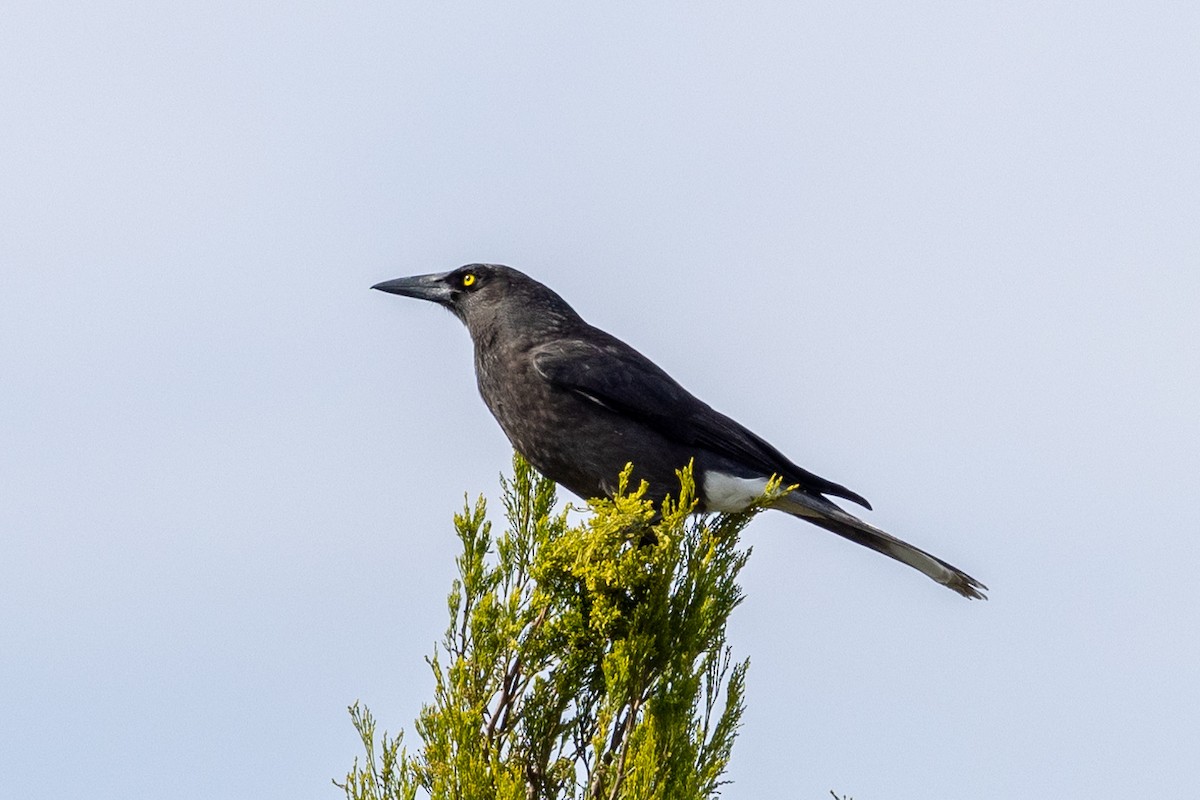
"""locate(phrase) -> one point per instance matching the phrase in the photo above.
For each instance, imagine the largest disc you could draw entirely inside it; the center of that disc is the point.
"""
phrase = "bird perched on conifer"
(579, 404)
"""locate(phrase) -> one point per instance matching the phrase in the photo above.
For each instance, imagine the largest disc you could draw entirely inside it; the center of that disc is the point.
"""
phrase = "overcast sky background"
(947, 254)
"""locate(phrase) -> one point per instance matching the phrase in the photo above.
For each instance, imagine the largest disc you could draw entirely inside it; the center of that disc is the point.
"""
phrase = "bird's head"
(486, 295)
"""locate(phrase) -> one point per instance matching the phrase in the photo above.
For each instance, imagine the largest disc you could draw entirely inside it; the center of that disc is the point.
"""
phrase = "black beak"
(423, 287)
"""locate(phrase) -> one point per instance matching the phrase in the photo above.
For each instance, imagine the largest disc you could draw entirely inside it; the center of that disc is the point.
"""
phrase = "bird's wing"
(611, 374)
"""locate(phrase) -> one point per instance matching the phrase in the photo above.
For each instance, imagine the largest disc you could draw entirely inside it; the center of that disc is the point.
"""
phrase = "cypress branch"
(581, 662)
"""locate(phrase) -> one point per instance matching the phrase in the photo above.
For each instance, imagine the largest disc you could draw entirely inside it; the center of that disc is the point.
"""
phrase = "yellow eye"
(468, 279)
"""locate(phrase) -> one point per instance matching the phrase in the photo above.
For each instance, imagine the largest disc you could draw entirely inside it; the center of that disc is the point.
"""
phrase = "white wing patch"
(729, 493)
(594, 399)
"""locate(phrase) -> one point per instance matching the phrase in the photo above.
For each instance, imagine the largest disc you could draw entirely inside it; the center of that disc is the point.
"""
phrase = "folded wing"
(611, 374)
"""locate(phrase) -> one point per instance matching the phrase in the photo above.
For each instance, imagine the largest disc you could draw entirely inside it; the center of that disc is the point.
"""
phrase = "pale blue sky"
(947, 254)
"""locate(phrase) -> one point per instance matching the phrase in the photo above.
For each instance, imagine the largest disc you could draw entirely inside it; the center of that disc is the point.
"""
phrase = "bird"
(580, 405)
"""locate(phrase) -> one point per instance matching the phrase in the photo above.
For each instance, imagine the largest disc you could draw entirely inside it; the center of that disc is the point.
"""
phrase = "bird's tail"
(825, 514)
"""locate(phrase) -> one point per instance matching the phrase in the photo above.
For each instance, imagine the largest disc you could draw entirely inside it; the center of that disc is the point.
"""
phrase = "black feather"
(609, 372)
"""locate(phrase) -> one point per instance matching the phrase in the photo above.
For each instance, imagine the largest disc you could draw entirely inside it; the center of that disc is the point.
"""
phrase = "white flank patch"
(728, 493)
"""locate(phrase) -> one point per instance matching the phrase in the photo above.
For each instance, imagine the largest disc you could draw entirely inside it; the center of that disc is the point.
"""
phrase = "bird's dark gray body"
(579, 404)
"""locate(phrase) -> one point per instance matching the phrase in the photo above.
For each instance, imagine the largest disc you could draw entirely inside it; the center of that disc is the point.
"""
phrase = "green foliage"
(583, 661)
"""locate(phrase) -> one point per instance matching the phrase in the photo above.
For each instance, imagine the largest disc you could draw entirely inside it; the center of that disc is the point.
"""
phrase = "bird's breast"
(570, 439)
